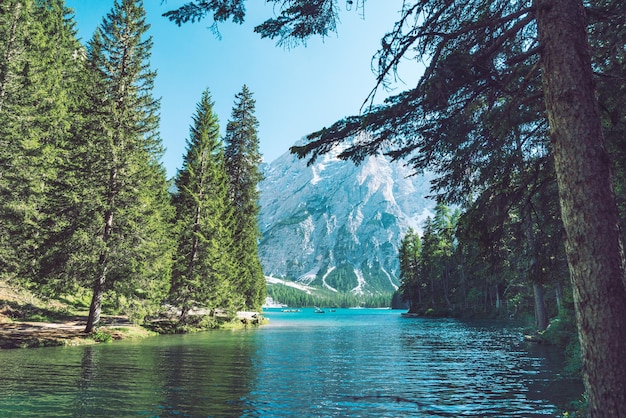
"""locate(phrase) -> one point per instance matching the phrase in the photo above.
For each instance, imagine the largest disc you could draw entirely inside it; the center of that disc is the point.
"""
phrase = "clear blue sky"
(297, 91)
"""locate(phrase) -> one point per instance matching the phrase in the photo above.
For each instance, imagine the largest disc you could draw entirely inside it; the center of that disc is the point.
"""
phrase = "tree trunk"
(95, 309)
(191, 293)
(559, 296)
(432, 290)
(184, 311)
(541, 313)
(446, 285)
(194, 244)
(9, 54)
(587, 199)
(498, 300)
(463, 284)
(419, 294)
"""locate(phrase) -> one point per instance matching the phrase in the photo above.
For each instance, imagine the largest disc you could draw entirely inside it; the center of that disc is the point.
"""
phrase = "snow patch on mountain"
(324, 283)
(361, 283)
(304, 288)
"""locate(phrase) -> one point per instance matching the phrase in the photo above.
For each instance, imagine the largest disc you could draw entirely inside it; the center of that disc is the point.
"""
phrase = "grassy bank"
(29, 321)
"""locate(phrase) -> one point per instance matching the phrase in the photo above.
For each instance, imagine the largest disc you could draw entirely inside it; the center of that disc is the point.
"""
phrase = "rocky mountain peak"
(337, 225)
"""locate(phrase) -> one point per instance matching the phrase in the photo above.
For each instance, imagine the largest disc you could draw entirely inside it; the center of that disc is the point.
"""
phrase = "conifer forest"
(86, 205)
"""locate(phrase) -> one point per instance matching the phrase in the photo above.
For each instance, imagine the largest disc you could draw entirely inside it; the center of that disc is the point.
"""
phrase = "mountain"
(336, 225)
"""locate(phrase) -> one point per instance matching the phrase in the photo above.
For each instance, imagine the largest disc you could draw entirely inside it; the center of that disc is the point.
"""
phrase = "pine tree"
(127, 246)
(243, 161)
(16, 21)
(63, 76)
(410, 285)
(38, 80)
(203, 264)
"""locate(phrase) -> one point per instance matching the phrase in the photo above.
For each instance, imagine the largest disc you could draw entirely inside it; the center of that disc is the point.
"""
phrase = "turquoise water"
(352, 362)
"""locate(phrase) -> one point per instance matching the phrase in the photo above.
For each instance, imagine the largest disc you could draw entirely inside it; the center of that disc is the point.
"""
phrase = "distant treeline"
(298, 298)
(85, 204)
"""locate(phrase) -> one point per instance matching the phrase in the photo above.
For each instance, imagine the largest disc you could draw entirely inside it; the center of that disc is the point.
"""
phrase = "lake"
(351, 362)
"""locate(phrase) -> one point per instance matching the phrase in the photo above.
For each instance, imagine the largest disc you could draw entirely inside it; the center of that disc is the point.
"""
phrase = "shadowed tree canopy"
(296, 21)
(503, 80)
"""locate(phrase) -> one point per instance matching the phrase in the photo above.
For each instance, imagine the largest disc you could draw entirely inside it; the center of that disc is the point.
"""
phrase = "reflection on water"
(345, 363)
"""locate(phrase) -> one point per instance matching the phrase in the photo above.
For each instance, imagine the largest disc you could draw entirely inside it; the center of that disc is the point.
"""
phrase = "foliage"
(428, 265)
(409, 255)
(101, 336)
(85, 202)
(298, 19)
(562, 333)
(451, 271)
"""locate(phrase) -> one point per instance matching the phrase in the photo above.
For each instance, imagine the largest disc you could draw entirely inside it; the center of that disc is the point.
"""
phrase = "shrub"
(101, 336)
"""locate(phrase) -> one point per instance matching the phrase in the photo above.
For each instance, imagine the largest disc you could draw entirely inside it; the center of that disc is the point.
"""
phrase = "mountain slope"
(337, 225)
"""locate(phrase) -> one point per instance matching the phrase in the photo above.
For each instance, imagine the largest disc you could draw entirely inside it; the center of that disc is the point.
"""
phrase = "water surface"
(351, 362)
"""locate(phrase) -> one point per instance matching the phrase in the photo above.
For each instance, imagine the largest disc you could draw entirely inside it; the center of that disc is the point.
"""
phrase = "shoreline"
(27, 321)
(69, 332)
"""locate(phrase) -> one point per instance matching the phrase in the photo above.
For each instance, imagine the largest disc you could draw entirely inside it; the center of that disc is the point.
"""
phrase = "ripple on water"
(357, 363)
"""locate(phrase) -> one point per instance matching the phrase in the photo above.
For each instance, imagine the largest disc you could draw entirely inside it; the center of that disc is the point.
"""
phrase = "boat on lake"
(318, 310)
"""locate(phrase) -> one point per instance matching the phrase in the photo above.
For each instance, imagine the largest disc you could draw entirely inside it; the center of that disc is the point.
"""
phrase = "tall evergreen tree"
(409, 255)
(203, 265)
(17, 191)
(127, 245)
(39, 77)
(63, 81)
(243, 161)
